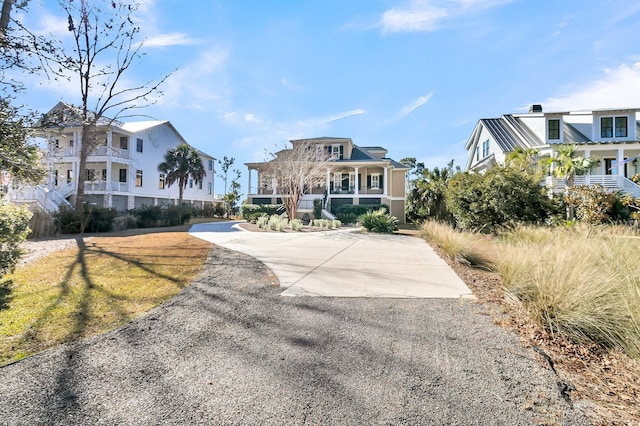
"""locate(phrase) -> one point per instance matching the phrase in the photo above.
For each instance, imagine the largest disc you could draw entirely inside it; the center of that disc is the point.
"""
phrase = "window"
(485, 148)
(210, 165)
(104, 174)
(139, 144)
(123, 176)
(553, 129)
(161, 181)
(375, 181)
(138, 177)
(70, 143)
(335, 152)
(91, 174)
(477, 153)
(57, 143)
(606, 127)
(190, 183)
(55, 177)
(199, 184)
(124, 142)
(209, 188)
(621, 127)
(69, 176)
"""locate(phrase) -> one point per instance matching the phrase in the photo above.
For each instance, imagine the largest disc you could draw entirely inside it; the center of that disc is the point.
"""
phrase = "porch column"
(357, 182)
(587, 176)
(620, 159)
(328, 180)
(108, 185)
(384, 182)
(249, 190)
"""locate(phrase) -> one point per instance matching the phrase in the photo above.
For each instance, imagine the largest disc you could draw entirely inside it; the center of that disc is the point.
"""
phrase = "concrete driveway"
(343, 263)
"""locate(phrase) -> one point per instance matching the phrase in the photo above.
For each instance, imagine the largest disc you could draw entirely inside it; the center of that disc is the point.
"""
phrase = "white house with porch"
(611, 137)
(354, 175)
(122, 171)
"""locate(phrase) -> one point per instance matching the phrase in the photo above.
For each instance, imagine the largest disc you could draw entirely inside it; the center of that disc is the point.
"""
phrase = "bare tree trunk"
(4, 18)
(82, 166)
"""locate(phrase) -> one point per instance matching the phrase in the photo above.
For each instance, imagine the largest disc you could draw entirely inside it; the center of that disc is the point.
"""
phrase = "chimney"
(535, 108)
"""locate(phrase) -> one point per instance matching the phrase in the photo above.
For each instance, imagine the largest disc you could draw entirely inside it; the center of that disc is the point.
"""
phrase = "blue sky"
(411, 75)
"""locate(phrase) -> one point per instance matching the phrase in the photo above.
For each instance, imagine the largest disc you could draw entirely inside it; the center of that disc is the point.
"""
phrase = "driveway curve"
(343, 263)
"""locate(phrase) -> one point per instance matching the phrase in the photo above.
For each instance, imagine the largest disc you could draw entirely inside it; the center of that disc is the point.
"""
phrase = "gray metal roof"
(530, 138)
(502, 134)
(573, 135)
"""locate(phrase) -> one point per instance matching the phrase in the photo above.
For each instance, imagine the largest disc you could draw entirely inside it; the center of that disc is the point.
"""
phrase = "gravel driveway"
(230, 350)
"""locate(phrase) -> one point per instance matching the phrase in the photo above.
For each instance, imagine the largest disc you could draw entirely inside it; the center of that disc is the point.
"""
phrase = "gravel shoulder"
(230, 350)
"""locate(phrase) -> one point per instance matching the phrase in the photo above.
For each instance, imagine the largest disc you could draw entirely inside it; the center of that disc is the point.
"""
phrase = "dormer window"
(621, 127)
(553, 129)
(609, 124)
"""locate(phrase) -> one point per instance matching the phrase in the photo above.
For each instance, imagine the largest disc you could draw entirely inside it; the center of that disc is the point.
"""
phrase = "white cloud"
(428, 15)
(408, 109)
(619, 87)
(173, 39)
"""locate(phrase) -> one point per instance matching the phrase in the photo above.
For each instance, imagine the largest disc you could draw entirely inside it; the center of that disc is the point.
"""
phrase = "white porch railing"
(103, 185)
(48, 198)
(612, 182)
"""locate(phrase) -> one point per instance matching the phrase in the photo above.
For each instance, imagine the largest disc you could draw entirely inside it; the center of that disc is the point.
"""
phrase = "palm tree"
(180, 164)
(567, 166)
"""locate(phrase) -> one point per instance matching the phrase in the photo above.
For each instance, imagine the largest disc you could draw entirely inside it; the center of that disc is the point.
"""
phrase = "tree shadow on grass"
(5, 294)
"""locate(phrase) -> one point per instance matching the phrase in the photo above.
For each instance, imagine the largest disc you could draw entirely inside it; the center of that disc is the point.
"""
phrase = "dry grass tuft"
(101, 284)
(468, 249)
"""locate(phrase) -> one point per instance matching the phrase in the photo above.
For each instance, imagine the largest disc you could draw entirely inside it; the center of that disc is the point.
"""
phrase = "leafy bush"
(252, 209)
(500, 198)
(69, 220)
(378, 221)
(592, 203)
(100, 219)
(148, 216)
(349, 213)
(14, 228)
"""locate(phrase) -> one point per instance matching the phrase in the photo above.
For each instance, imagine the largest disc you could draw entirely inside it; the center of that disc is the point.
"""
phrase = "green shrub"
(68, 220)
(101, 219)
(378, 221)
(500, 198)
(148, 216)
(349, 213)
(317, 208)
(14, 228)
(252, 209)
(593, 203)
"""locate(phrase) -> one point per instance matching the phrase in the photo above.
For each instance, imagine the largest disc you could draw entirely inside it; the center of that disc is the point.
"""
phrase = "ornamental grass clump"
(463, 247)
(296, 224)
(580, 286)
(263, 222)
(378, 221)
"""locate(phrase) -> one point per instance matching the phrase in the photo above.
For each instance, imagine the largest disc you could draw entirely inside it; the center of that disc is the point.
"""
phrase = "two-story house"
(121, 171)
(354, 175)
(611, 137)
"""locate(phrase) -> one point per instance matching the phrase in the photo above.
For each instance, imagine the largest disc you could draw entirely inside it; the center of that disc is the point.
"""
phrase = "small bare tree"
(103, 30)
(296, 170)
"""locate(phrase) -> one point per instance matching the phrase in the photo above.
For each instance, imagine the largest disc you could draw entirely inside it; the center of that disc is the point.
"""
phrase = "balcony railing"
(613, 182)
(103, 185)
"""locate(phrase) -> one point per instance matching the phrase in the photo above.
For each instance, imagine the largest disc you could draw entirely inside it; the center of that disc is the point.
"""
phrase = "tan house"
(354, 175)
